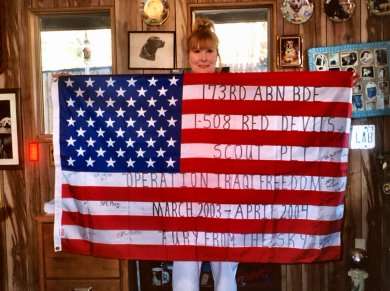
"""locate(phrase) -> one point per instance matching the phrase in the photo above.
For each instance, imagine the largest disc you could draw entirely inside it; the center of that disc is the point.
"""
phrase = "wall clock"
(155, 12)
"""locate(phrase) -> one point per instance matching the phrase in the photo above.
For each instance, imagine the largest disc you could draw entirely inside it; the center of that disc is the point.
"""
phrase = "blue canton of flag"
(120, 124)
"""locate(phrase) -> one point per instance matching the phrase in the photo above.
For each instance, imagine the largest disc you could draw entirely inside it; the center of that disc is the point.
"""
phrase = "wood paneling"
(22, 192)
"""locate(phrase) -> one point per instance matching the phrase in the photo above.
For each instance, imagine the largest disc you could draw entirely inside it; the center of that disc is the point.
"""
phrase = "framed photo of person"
(370, 95)
(290, 51)
(10, 129)
(152, 50)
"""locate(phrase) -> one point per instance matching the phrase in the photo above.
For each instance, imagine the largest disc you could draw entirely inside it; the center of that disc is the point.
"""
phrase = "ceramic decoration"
(297, 11)
(340, 10)
(155, 12)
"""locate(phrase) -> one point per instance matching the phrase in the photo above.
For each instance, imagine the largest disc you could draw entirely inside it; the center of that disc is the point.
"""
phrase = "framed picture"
(379, 7)
(370, 95)
(10, 129)
(290, 51)
(151, 50)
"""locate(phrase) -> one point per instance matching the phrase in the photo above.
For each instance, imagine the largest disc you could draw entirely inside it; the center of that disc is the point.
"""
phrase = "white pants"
(185, 275)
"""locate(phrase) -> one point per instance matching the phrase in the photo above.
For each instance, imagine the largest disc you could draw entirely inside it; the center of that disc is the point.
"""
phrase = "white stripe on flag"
(209, 239)
(206, 180)
(266, 122)
(195, 209)
(266, 93)
(259, 152)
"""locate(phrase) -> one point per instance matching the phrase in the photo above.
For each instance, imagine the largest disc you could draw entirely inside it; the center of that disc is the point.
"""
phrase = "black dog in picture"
(148, 50)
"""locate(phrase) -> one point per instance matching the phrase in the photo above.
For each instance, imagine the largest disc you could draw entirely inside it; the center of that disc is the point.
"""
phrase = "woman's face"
(203, 60)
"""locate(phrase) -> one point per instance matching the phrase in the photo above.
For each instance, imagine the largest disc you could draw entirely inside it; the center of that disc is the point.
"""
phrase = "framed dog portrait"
(290, 51)
(371, 61)
(152, 50)
(10, 129)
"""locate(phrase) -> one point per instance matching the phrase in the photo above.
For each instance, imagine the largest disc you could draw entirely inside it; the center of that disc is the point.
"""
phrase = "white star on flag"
(142, 92)
(70, 102)
(131, 82)
(99, 112)
(110, 102)
(70, 161)
(130, 102)
(100, 152)
(110, 82)
(152, 82)
(89, 82)
(79, 92)
(100, 92)
(71, 121)
(120, 92)
(172, 101)
(90, 162)
(70, 141)
(162, 91)
(110, 162)
(80, 112)
(170, 163)
(69, 83)
(173, 81)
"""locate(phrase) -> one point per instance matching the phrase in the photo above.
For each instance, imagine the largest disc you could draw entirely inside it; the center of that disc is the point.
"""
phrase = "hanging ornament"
(340, 10)
(297, 11)
(86, 49)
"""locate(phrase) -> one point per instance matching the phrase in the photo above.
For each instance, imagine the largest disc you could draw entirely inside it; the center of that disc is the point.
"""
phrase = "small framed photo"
(379, 7)
(290, 51)
(152, 50)
(348, 58)
(381, 57)
(10, 129)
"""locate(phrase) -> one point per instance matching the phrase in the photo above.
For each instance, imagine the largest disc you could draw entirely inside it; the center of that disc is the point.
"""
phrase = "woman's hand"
(56, 75)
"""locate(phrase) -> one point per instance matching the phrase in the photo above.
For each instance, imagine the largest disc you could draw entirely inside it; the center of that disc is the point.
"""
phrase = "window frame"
(269, 4)
(34, 16)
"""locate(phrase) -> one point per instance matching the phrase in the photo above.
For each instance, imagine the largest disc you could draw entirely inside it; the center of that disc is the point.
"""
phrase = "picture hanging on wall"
(290, 51)
(151, 50)
(10, 129)
(370, 95)
(379, 7)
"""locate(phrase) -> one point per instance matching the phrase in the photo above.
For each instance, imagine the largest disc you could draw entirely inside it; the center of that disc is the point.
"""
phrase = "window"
(77, 43)
(244, 37)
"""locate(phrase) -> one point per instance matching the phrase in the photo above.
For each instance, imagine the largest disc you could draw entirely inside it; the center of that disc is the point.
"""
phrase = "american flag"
(238, 167)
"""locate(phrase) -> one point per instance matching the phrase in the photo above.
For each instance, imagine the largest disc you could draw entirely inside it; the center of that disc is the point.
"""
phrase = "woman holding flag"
(203, 55)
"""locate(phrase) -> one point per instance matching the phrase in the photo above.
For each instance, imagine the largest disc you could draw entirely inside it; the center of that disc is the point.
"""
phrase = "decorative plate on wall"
(340, 10)
(155, 12)
(297, 11)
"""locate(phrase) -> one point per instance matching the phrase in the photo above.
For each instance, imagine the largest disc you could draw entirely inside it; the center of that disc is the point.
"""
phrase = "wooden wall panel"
(23, 192)
(128, 18)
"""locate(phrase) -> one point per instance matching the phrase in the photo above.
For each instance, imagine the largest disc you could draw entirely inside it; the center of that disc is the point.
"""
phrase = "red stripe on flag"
(265, 137)
(121, 222)
(328, 169)
(286, 108)
(227, 196)
(168, 253)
